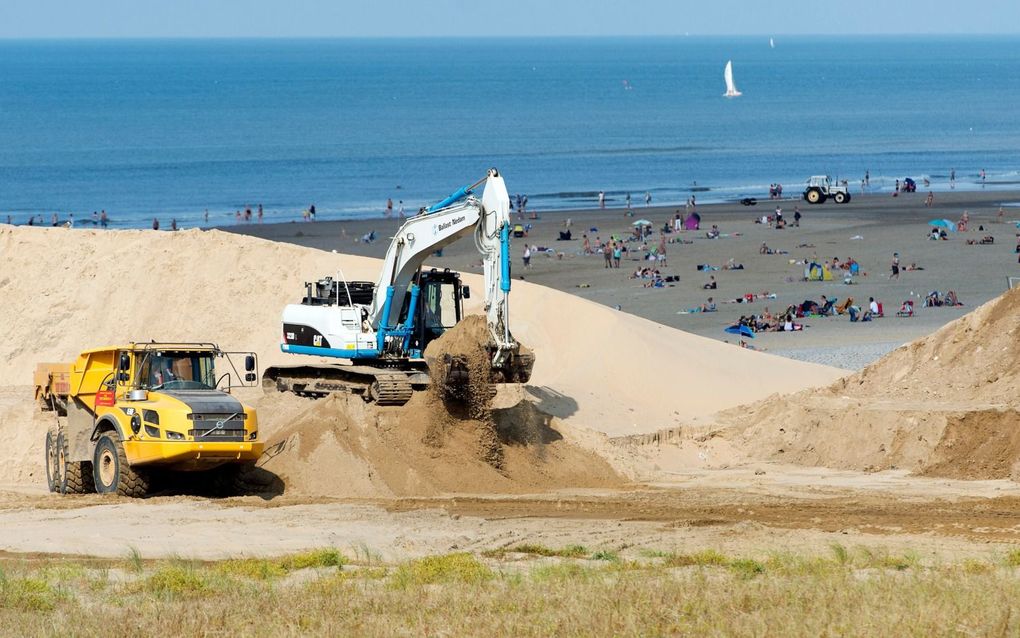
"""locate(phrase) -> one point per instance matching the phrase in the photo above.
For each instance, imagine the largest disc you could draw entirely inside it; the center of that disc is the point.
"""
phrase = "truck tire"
(53, 480)
(228, 480)
(814, 196)
(75, 476)
(111, 471)
(840, 198)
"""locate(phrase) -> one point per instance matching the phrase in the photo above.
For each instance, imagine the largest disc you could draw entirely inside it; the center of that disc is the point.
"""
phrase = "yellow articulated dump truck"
(124, 414)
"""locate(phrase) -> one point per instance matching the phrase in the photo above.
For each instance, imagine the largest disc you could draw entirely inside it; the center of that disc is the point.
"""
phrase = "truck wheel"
(75, 476)
(814, 196)
(52, 466)
(228, 480)
(840, 198)
(111, 471)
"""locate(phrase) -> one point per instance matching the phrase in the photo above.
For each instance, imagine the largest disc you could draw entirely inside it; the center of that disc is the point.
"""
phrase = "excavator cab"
(440, 306)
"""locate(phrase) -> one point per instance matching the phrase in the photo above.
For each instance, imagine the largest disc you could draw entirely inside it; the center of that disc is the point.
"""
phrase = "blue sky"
(438, 18)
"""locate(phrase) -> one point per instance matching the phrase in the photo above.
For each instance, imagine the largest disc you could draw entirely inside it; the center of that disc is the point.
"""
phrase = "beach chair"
(881, 311)
(906, 310)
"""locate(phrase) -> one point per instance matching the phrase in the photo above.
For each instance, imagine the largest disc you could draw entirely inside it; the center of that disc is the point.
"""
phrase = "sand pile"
(945, 405)
(342, 446)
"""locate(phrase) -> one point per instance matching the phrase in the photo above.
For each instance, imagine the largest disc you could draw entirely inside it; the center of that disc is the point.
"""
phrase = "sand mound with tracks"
(342, 446)
(945, 405)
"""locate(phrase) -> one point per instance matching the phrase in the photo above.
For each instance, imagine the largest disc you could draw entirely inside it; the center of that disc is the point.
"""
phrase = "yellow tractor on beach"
(126, 413)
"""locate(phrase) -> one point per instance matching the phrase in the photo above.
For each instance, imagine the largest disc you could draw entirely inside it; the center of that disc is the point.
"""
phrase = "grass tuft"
(1013, 558)
(27, 594)
(447, 568)
(313, 558)
(135, 563)
(705, 558)
(176, 579)
(746, 567)
(253, 568)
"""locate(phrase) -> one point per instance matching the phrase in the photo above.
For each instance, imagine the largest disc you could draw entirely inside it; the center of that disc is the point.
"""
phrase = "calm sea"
(171, 128)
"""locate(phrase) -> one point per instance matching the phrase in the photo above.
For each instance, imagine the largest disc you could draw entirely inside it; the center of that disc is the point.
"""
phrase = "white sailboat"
(731, 88)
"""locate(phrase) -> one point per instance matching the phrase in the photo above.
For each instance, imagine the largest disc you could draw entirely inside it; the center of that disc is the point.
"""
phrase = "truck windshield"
(164, 370)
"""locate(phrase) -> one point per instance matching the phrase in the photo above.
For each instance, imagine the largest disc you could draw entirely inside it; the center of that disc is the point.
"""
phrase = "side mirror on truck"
(249, 369)
(123, 365)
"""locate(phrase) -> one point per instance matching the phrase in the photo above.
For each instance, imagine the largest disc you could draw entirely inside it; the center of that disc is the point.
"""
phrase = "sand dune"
(944, 405)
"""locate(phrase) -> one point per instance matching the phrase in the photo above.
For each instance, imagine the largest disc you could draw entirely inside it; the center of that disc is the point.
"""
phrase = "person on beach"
(173, 224)
(873, 306)
(586, 245)
(260, 213)
(678, 222)
(389, 207)
(311, 213)
(95, 218)
(206, 216)
(895, 266)
(607, 252)
(527, 256)
(400, 210)
(712, 283)
(602, 199)
(929, 201)
(237, 216)
(53, 219)
(708, 306)
(648, 199)
(155, 223)
(796, 216)
(952, 178)
(104, 220)
(617, 254)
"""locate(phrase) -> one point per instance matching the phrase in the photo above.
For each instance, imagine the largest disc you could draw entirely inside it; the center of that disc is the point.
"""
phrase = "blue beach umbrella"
(743, 331)
(943, 223)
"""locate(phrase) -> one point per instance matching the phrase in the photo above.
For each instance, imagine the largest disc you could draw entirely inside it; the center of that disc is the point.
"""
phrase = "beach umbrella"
(943, 223)
(743, 331)
(642, 222)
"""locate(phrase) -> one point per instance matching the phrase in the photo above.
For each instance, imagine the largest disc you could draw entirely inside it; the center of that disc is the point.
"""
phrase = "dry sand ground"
(702, 480)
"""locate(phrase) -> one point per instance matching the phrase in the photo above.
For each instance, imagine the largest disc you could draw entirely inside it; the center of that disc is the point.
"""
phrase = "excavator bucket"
(458, 373)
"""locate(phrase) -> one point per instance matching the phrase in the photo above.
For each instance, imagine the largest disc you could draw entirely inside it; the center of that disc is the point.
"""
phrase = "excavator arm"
(436, 227)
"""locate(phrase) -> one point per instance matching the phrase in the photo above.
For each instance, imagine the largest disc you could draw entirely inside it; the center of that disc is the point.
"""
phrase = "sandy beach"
(870, 228)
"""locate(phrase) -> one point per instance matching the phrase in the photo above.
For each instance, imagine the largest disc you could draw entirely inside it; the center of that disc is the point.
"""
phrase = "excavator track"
(391, 389)
(379, 385)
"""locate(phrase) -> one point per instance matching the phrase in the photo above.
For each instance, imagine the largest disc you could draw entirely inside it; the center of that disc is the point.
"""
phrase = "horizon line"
(798, 35)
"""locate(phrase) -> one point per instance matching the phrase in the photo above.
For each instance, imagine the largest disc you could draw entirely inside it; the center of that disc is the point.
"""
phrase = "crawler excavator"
(378, 331)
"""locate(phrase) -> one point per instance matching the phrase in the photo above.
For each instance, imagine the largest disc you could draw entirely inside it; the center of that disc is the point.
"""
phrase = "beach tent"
(817, 272)
(943, 223)
(693, 222)
(741, 330)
